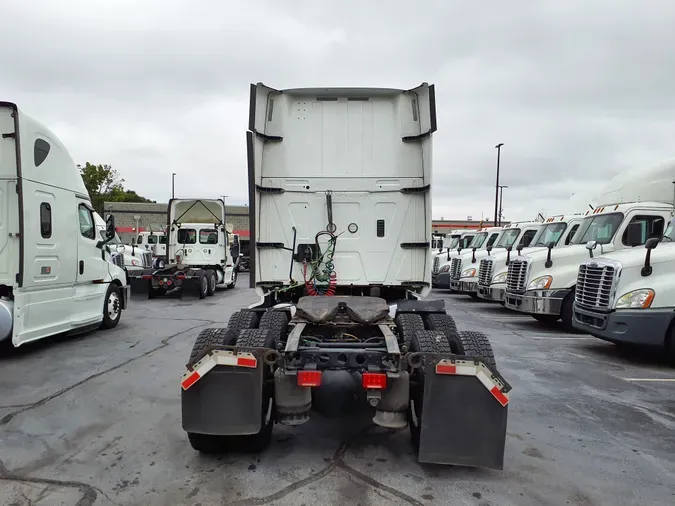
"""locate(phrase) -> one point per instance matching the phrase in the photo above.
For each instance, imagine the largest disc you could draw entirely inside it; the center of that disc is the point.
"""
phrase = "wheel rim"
(113, 308)
(213, 283)
(205, 285)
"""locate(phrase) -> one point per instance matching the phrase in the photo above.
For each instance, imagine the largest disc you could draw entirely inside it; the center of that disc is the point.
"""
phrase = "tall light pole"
(224, 210)
(173, 185)
(501, 200)
(499, 151)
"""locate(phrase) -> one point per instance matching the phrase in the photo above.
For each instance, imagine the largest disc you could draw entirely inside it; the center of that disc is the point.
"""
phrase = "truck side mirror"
(549, 262)
(508, 254)
(634, 234)
(473, 256)
(651, 243)
(590, 246)
(110, 227)
(519, 248)
(488, 249)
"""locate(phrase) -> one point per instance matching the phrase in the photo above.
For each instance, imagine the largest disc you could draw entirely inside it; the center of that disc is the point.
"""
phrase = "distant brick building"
(131, 218)
(445, 226)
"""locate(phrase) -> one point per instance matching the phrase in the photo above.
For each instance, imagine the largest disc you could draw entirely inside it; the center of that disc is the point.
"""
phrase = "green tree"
(104, 184)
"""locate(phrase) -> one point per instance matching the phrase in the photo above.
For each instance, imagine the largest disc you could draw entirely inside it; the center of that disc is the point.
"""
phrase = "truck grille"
(437, 262)
(594, 285)
(485, 272)
(455, 268)
(147, 259)
(516, 278)
(118, 260)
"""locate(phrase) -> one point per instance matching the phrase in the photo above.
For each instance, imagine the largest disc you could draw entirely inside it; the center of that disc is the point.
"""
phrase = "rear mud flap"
(227, 401)
(139, 286)
(462, 423)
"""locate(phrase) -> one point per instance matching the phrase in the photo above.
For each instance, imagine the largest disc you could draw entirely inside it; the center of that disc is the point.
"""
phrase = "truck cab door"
(92, 270)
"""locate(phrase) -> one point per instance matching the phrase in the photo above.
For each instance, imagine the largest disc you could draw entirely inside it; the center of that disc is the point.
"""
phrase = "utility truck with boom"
(340, 221)
(635, 206)
(492, 270)
(56, 272)
(199, 254)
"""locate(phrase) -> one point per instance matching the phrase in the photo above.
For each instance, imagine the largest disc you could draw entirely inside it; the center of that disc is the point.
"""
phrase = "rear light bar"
(480, 371)
(218, 357)
(309, 378)
(374, 380)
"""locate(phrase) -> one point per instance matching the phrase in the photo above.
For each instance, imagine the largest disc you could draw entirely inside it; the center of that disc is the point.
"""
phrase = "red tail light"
(377, 380)
(309, 378)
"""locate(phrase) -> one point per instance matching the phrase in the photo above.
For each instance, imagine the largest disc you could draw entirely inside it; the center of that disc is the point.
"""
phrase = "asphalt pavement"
(95, 420)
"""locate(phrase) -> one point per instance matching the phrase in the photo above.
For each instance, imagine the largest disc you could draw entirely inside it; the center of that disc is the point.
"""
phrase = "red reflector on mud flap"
(190, 380)
(442, 368)
(247, 362)
(377, 380)
(480, 371)
(309, 378)
(497, 394)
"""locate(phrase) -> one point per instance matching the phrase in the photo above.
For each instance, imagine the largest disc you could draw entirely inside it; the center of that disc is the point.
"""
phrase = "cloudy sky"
(576, 90)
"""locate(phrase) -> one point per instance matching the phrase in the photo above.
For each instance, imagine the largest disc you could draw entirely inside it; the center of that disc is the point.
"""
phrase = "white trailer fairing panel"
(357, 158)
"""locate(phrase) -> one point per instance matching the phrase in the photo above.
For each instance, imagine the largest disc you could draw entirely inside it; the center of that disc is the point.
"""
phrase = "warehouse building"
(131, 218)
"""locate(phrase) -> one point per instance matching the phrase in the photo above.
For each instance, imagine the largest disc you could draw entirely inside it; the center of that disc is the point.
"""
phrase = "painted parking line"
(655, 380)
(563, 337)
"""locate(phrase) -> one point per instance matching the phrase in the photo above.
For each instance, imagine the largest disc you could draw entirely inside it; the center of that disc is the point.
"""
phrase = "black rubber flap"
(364, 310)
(227, 401)
(462, 423)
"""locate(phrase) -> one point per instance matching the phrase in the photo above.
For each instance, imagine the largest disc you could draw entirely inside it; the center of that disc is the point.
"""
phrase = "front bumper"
(494, 293)
(461, 286)
(637, 326)
(442, 280)
(536, 301)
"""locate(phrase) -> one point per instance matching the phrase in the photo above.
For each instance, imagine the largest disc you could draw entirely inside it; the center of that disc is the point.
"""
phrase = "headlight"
(136, 262)
(540, 283)
(468, 273)
(500, 278)
(445, 268)
(637, 299)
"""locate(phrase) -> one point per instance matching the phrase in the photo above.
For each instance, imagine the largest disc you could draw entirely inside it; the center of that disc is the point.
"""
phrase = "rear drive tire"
(476, 344)
(212, 279)
(240, 320)
(203, 285)
(407, 325)
(444, 323)
(474, 296)
(206, 339)
(112, 307)
(423, 341)
(276, 322)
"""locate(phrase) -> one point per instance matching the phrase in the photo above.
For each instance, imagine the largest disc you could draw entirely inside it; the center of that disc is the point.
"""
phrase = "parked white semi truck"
(154, 241)
(492, 271)
(441, 265)
(199, 253)
(132, 257)
(340, 256)
(451, 243)
(636, 206)
(464, 267)
(56, 273)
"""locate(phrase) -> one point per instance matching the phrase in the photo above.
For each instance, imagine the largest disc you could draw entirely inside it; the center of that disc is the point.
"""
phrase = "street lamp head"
(499, 145)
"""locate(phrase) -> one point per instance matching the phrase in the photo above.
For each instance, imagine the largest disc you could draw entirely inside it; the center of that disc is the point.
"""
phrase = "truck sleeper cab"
(520, 234)
(56, 273)
(463, 268)
(542, 283)
(628, 296)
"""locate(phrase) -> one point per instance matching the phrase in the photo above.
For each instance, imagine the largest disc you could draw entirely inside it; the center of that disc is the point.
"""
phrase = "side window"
(652, 226)
(46, 220)
(187, 236)
(162, 239)
(152, 239)
(492, 239)
(527, 238)
(40, 151)
(139, 240)
(87, 228)
(208, 236)
(571, 234)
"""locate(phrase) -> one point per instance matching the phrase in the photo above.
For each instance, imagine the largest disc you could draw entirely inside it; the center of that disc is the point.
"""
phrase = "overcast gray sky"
(576, 90)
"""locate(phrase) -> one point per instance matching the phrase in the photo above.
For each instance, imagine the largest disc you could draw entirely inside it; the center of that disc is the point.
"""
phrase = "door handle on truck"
(81, 266)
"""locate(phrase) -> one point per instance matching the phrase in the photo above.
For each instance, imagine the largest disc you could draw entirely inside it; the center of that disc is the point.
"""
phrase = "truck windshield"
(600, 228)
(478, 240)
(551, 233)
(454, 243)
(508, 238)
(465, 241)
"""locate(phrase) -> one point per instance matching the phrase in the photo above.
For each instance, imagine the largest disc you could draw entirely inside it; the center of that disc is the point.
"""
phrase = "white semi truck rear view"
(56, 272)
(340, 209)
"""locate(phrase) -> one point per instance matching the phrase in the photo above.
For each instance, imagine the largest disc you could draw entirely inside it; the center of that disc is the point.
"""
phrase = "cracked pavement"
(94, 419)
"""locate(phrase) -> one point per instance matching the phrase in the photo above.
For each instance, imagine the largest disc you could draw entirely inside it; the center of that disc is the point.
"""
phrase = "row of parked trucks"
(597, 270)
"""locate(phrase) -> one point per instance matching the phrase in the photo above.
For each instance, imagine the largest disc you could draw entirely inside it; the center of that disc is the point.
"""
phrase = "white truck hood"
(635, 257)
(499, 258)
(566, 261)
